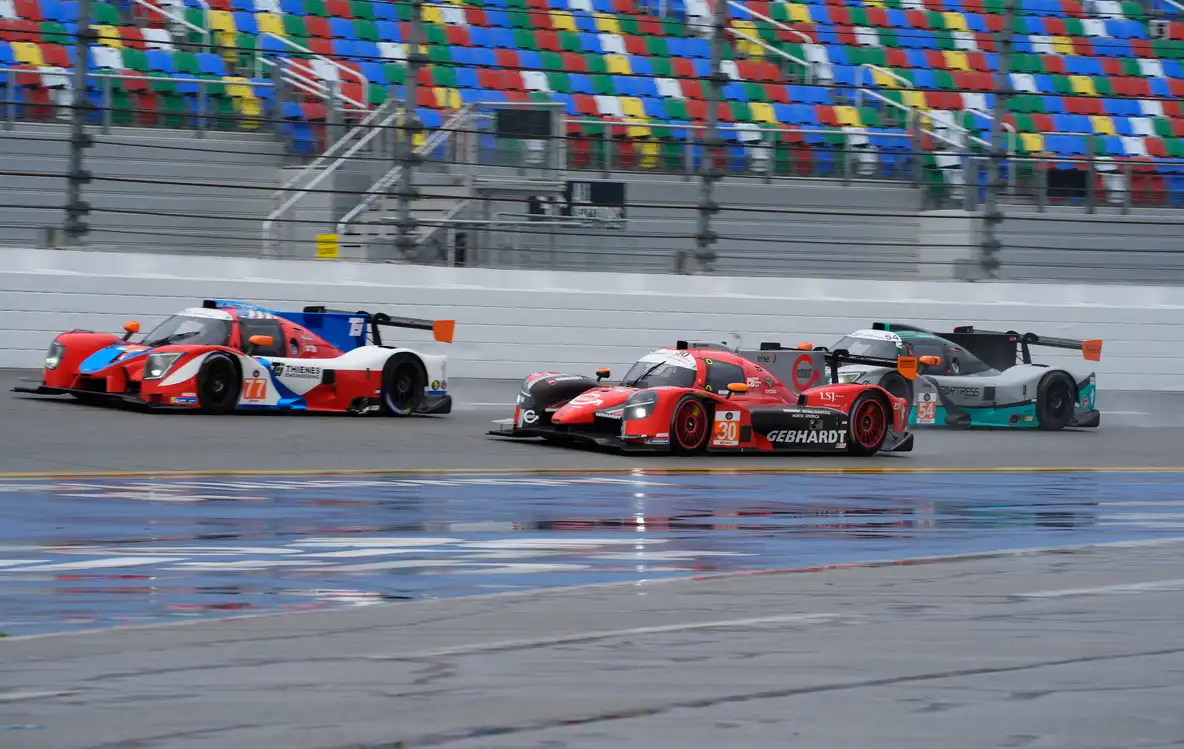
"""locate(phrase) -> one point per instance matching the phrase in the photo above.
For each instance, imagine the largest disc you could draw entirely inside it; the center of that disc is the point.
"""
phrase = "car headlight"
(849, 376)
(640, 405)
(54, 356)
(524, 398)
(158, 365)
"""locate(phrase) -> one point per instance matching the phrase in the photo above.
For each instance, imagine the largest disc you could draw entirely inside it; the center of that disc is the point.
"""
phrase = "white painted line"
(492, 405)
(409, 563)
(31, 695)
(1106, 589)
(15, 562)
(95, 564)
(521, 568)
(245, 565)
(608, 634)
(1125, 413)
(561, 543)
(531, 592)
(348, 541)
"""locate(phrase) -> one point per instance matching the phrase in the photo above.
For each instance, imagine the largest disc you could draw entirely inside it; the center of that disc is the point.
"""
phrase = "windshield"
(200, 331)
(870, 347)
(652, 374)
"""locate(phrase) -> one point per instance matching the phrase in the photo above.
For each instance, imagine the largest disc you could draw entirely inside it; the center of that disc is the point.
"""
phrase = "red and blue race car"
(699, 397)
(226, 356)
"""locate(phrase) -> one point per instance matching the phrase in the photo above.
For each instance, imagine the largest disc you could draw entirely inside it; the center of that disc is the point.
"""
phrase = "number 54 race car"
(226, 356)
(702, 397)
(980, 378)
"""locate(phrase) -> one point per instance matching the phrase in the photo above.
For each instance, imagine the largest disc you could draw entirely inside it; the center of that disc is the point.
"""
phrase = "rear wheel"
(867, 427)
(897, 386)
(689, 427)
(403, 382)
(218, 384)
(1055, 401)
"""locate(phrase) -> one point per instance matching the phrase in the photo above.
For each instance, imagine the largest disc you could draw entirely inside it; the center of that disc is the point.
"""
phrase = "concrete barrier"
(510, 323)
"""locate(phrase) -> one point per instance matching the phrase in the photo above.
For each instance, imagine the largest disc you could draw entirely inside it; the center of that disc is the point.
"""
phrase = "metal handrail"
(371, 134)
(299, 48)
(309, 85)
(808, 66)
(432, 142)
(362, 127)
(181, 20)
(801, 35)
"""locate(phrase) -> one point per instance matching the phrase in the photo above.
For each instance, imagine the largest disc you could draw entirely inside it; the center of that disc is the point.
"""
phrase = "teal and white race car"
(979, 378)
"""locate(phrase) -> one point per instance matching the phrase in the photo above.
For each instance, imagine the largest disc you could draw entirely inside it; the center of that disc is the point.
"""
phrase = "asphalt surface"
(42, 434)
(904, 608)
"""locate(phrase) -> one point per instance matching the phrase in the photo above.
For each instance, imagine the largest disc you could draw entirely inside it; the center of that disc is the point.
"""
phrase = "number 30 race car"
(226, 356)
(707, 398)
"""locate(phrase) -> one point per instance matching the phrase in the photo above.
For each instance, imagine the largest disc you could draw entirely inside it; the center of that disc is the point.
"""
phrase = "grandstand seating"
(1088, 76)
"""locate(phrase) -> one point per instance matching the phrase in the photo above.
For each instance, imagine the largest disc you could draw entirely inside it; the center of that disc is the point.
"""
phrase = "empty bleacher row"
(1089, 78)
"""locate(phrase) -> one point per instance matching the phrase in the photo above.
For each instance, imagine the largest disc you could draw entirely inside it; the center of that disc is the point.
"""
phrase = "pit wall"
(511, 322)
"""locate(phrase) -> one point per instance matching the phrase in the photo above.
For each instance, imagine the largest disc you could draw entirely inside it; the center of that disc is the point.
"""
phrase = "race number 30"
(727, 429)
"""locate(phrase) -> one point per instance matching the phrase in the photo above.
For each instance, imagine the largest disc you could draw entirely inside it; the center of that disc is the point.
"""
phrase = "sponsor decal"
(277, 369)
(182, 400)
(615, 413)
(807, 412)
(658, 441)
(529, 417)
(435, 384)
(727, 429)
(766, 358)
(302, 371)
(255, 373)
(356, 326)
(754, 382)
(828, 395)
(771, 391)
(563, 378)
(959, 390)
(769, 381)
(587, 399)
(804, 373)
(805, 436)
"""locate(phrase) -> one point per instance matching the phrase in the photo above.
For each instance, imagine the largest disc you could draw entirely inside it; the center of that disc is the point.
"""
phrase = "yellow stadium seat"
(270, 23)
(1032, 142)
(632, 107)
(954, 21)
(762, 111)
(448, 98)
(561, 20)
(109, 36)
(432, 14)
(617, 65)
(956, 60)
(222, 20)
(650, 154)
(607, 23)
(1063, 45)
(847, 115)
(1102, 125)
(799, 13)
(1083, 84)
(28, 53)
(883, 80)
(914, 99)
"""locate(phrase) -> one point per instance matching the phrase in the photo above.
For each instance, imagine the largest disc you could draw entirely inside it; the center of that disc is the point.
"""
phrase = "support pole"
(406, 192)
(74, 227)
(705, 238)
(992, 215)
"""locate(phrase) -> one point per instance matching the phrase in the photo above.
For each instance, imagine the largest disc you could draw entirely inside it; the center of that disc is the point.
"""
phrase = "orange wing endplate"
(443, 330)
(1092, 350)
(907, 366)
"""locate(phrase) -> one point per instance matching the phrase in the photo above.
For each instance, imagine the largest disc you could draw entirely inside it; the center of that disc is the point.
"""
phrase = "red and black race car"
(702, 397)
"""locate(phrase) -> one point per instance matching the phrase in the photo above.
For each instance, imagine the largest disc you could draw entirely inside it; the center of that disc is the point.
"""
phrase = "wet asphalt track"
(1078, 648)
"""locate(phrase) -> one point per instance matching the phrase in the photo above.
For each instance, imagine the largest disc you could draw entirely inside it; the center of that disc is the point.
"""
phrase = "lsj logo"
(727, 429)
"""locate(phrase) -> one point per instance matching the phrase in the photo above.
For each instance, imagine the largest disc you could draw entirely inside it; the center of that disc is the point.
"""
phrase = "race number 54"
(727, 429)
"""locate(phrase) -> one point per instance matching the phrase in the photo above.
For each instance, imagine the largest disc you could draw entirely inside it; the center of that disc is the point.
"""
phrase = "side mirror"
(602, 374)
(931, 361)
(132, 327)
(261, 341)
(737, 387)
(805, 347)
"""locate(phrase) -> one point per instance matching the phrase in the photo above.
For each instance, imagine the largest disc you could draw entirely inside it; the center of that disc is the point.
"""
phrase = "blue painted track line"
(90, 552)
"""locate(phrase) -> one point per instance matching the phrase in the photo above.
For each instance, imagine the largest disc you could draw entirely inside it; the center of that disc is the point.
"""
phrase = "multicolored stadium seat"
(1088, 76)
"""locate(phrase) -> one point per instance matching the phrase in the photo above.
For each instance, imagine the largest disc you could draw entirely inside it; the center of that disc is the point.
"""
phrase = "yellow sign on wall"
(327, 247)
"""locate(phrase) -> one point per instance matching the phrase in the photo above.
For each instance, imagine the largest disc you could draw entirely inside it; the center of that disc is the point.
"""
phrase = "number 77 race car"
(226, 356)
(701, 397)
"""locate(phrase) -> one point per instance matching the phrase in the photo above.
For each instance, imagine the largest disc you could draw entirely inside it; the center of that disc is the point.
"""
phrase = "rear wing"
(326, 318)
(804, 368)
(998, 349)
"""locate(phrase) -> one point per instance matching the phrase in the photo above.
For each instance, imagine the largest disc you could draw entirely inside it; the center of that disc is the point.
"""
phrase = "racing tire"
(897, 387)
(1055, 401)
(403, 383)
(218, 384)
(690, 426)
(867, 427)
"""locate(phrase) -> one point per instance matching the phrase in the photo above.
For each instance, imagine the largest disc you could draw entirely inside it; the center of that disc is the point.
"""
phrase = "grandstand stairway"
(444, 196)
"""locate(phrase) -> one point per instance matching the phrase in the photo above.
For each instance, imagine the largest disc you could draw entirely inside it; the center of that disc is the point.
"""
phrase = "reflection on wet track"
(88, 553)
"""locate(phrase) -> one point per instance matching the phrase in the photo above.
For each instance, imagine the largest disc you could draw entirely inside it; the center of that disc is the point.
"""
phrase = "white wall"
(510, 323)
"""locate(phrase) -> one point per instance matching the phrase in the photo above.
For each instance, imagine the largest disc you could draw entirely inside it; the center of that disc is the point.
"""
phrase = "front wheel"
(218, 384)
(403, 383)
(690, 426)
(1055, 402)
(867, 428)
